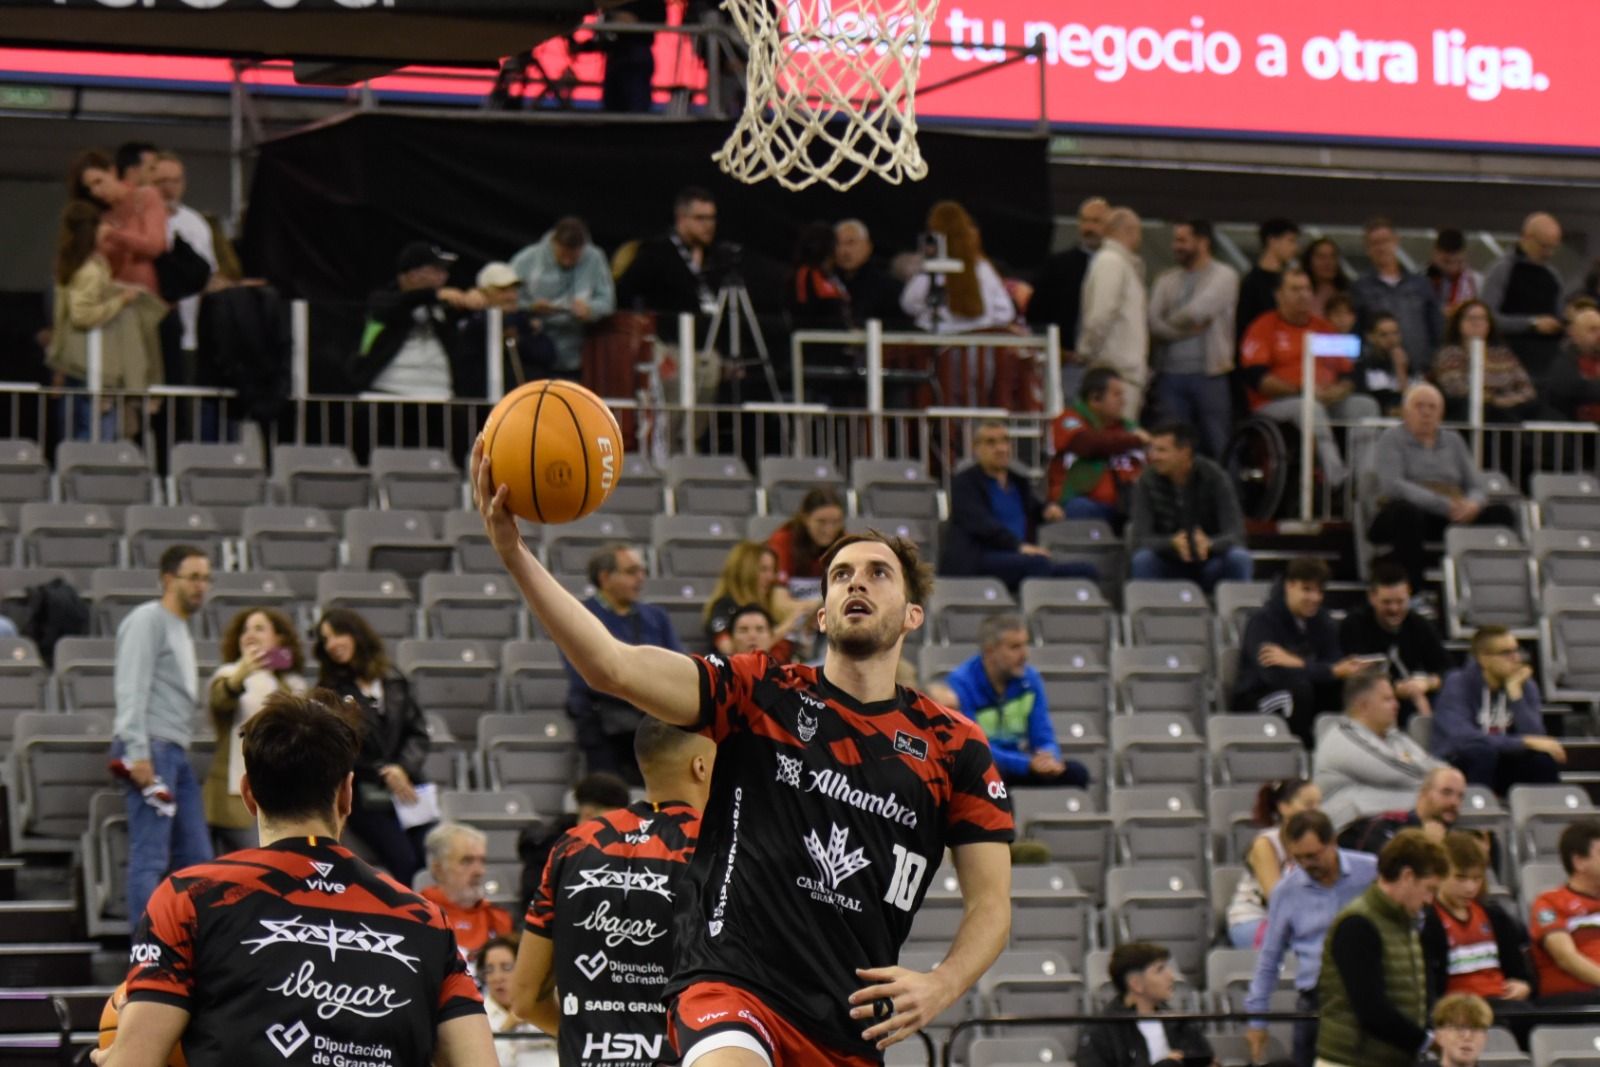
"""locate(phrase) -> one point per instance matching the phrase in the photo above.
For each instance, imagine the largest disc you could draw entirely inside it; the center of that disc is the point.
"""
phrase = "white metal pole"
(687, 358)
(1308, 428)
(797, 370)
(95, 373)
(1475, 355)
(300, 362)
(1054, 402)
(494, 348)
(875, 384)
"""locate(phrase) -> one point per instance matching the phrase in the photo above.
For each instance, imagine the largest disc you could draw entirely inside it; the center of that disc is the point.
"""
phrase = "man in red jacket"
(1098, 452)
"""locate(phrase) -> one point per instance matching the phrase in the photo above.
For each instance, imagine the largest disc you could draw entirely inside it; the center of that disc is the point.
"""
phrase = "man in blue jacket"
(999, 691)
(1487, 718)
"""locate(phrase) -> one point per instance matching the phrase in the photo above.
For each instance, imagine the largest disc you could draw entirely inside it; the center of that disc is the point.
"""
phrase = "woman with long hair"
(750, 576)
(394, 740)
(798, 544)
(1508, 392)
(1268, 859)
(135, 217)
(260, 656)
(816, 298)
(974, 298)
(1326, 268)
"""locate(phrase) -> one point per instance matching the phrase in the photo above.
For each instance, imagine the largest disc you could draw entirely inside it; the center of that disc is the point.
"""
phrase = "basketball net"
(831, 93)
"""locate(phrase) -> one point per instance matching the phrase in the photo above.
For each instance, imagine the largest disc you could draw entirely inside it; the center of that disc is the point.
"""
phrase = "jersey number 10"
(909, 867)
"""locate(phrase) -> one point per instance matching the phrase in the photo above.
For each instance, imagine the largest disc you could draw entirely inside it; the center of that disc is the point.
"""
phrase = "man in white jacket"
(1365, 764)
(1113, 330)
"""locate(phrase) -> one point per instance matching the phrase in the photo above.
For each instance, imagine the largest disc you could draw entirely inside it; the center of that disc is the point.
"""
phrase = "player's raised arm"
(655, 680)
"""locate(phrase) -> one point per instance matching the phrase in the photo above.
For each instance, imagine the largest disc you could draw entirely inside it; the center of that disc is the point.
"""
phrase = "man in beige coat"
(1113, 330)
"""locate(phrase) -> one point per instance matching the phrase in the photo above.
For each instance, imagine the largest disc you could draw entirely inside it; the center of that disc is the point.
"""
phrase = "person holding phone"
(261, 656)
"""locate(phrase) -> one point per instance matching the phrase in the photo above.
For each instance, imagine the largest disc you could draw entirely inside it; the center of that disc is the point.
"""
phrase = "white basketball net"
(832, 90)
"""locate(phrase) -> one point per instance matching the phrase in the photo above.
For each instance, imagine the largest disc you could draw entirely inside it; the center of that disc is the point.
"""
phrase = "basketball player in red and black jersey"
(297, 953)
(836, 795)
(600, 927)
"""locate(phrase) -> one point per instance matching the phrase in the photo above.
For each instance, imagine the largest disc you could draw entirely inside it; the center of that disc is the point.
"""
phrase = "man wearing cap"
(525, 348)
(408, 345)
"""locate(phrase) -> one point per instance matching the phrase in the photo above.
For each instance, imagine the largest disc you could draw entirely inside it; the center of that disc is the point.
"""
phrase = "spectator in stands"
(1374, 992)
(1524, 289)
(566, 286)
(1489, 720)
(1470, 944)
(1384, 370)
(630, 57)
(873, 293)
(1099, 453)
(750, 630)
(1453, 282)
(816, 298)
(1340, 311)
(750, 578)
(1258, 289)
(1461, 1024)
(87, 298)
(1142, 974)
(1185, 515)
(409, 348)
(394, 742)
(1388, 288)
(134, 220)
(677, 271)
(185, 222)
(1436, 809)
(1508, 393)
(1365, 764)
(1271, 362)
(800, 543)
(975, 298)
(260, 656)
(995, 518)
(1408, 642)
(594, 794)
(1572, 388)
(1002, 693)
(157, 692)
(458, 856)
(136, 162)
(606, 725)
(1114, 325)
(1267, 862)
(1289, 661)
(1325, 878)
(527, 352)
(1427, 480)
(1325, 266)
(1058, 296)
(494, 965)
(1191, 316)
(1562, 924)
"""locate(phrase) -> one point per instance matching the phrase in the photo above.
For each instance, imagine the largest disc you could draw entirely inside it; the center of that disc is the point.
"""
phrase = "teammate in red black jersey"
(599, 929)
(297, 952)
(827, 869)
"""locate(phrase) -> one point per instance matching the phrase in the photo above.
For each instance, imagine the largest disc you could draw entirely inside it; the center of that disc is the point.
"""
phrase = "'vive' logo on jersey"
(835, 786)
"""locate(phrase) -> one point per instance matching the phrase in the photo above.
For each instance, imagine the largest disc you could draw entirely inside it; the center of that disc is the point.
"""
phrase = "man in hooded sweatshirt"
(1289, 662)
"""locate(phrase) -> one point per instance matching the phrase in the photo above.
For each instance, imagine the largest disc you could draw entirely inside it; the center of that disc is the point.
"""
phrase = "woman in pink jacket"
(136, 218)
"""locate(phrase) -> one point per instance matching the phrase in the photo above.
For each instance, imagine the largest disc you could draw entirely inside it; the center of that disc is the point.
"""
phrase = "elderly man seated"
(457, 859)
(1427, 480)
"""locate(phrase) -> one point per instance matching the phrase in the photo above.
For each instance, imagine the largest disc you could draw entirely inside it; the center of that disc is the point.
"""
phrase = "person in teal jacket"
(999, 691)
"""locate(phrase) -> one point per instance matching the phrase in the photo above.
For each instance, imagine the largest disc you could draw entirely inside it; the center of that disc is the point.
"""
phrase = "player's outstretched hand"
(98, 1056)
(914, 999)
(498, 522)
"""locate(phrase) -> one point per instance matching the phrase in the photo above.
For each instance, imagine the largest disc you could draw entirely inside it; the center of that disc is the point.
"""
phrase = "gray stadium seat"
(456, 680)
(233, 592)
(1018, 1051)
(1083, 736)
(223, 479)
(500, 815)
(1565, 1046)
(1158, 678)
(1161, 826)
(924, 533)
(894, 487)
(420, 479)
(24, 476)
(534, 677)
(711, 485)
(320, 476)
(299, 543)
(8, 539)
(684, 600)
(641, 490)
(57, 762)
(1163, 904)
(1236, 602)
(23, 681)
(114, 592)
(567, 547)
(404, 542)
(1031, 982)
(1089, 540)
(112, 473)
(1567, 557)
(1229, 972)
(474, 555)
(1540, 812)
(935, 662)
(382, 597)
(83, 671)
(1233, 826)
(693, 546)
(447, 762)
(1488, 578)
(104, 851)
(1157, 748)
(1068, 611)
(1049, 911)
(958, 607)
(75, 538)
(472, 606)
(1075, 678)
(152, 529)
(787, 479)
(1569, 644)
(536, 755)
(760, 528)
(1253, 749)
(1169, 614)
(1567, 501)
(1078, 837)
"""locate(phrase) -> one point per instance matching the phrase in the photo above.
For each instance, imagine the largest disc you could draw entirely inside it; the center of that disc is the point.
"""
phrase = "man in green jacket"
(1373, 988)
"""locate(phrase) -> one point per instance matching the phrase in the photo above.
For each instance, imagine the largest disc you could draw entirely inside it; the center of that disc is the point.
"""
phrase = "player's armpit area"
(146, 1032)
(465, 1042)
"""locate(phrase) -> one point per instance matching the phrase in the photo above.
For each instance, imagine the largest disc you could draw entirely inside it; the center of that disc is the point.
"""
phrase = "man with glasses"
(606, 724)
(679, 270)
(157, 688)
(1488, 718)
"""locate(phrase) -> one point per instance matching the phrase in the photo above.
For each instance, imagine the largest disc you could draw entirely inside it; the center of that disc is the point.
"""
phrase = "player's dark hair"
(1386, 573)
(601, 789)
(1096, 381)
(1275, 227)
(1182, 433)
(1450, 240)
(131, 154)
(1576, 840)
(173, 558)
(917, 575)
(298, 750)
(1306, 569)
(656, 744)
(369, 662)
(1272, 794)
(1132, 958)
(1410, 850)
(1315, 822)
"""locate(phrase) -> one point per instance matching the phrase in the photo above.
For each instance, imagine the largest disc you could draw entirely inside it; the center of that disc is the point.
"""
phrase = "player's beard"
(863, 642)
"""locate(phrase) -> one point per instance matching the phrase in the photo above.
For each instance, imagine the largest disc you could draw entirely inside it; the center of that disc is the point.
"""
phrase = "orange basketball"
(108, 1025)
(557, 446)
